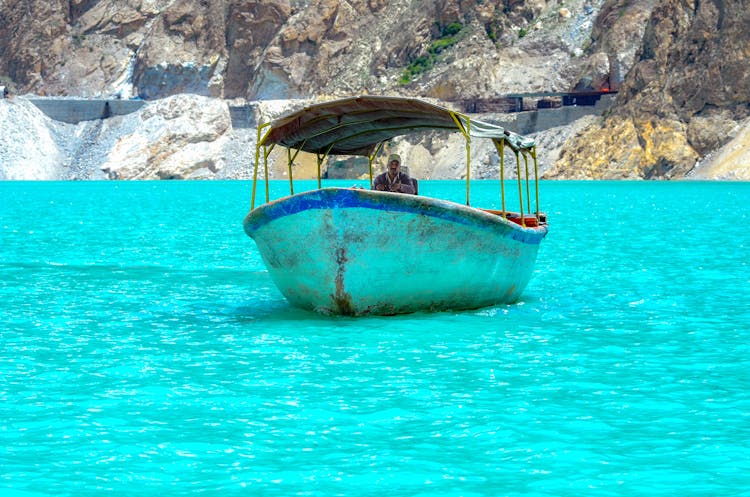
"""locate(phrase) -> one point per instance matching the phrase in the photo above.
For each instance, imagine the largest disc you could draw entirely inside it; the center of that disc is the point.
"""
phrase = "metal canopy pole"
(465, 130)
(468, 160)
(320, 158)
(536, 179)
(290, 161)
(520, 188)
(320, 162)
(257, 160)
(291, 158)
(255, 177)
(500, 147)
(266, 153)
(528, 192)
(371, 158)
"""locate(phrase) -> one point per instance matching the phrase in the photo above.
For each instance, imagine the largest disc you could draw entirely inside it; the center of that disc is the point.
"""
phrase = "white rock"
(180, 137)
(27, 148)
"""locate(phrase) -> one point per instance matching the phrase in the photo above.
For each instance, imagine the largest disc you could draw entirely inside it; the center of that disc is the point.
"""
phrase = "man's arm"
(406, 185)
(379, 183)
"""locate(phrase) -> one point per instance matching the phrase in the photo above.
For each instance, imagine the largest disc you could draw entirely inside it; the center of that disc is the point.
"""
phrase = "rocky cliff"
(683, 108)
(678, 66)
(290, 49)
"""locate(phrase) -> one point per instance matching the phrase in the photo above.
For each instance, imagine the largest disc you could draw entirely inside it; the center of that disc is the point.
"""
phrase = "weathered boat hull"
(355, 252)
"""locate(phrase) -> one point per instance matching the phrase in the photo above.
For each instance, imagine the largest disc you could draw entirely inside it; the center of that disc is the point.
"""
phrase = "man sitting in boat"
(393, 180)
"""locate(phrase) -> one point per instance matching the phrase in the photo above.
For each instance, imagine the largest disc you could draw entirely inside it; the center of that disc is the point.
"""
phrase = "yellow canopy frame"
(414, 114)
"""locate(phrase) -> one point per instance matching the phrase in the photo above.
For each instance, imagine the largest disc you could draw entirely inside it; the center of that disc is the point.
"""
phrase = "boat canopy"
(357, 125)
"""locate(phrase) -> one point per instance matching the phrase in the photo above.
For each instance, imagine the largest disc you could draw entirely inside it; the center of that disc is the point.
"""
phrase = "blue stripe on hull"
(343, 198)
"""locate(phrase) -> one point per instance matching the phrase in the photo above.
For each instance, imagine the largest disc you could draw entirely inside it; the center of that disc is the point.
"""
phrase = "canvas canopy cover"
(355, 126)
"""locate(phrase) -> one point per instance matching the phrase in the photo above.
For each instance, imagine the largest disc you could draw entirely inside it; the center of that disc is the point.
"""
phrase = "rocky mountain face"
(678, 66)
(684, 106)
(291, 49)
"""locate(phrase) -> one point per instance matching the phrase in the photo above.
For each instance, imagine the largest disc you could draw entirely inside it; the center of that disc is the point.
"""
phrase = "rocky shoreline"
(181, 137)
(194, 137)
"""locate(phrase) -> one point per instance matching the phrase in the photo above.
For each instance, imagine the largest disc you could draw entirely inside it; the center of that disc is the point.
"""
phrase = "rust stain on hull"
(342, 301)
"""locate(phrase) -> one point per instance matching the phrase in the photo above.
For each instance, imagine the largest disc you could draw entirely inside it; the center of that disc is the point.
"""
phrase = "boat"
(355, 251)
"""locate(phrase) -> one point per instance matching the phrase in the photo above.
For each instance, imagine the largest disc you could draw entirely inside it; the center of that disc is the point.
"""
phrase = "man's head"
(394, 163)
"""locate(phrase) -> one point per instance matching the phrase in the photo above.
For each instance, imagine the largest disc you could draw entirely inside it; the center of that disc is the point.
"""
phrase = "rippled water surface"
(145, 351)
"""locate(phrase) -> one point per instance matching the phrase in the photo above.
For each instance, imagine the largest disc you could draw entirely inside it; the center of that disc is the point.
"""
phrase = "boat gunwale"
(342, 197)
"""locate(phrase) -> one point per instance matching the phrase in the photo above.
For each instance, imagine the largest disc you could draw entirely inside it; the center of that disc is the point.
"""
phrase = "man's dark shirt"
(401, 183)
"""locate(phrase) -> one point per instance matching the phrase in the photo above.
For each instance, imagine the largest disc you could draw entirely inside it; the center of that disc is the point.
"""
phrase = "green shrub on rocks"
(449, 36)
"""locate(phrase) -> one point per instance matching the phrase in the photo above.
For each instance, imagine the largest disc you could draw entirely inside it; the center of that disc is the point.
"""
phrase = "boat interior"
(528, 220)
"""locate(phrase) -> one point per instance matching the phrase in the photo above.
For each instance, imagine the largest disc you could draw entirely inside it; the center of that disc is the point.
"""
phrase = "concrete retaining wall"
(539, 120)
(73, 111)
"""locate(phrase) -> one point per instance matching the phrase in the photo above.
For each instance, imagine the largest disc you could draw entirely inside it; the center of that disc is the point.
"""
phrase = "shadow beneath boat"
(280, 310)
(276, 310)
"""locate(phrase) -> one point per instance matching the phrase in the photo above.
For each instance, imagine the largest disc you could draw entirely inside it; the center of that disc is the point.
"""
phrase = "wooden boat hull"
(356, 252)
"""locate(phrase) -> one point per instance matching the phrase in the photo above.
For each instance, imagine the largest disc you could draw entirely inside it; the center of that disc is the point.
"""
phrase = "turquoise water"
(145, 351)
